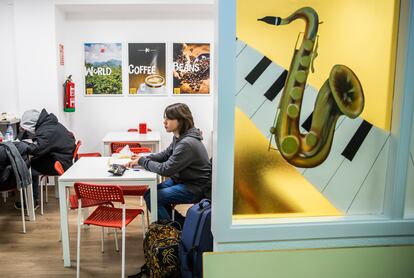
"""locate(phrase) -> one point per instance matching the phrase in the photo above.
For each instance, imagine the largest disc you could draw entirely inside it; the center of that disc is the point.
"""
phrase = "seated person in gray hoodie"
(51, 142)
(185, 162)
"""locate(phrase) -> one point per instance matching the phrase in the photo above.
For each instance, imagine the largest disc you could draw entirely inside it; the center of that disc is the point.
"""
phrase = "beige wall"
(364, 262)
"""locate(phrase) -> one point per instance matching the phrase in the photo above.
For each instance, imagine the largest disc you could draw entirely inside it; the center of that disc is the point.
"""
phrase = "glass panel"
(409, 197)
(322, 162)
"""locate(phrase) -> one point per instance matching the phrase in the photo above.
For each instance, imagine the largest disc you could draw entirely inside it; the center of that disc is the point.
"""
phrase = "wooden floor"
(38, 253)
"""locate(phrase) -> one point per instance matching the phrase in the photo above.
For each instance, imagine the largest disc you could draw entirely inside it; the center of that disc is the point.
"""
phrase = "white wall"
(34, 31)
(60, 69)
(95, 115)
(31, 76)
(8, 89)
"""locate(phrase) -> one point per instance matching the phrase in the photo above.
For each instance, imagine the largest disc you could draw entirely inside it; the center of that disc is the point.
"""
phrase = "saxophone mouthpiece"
(273, 20)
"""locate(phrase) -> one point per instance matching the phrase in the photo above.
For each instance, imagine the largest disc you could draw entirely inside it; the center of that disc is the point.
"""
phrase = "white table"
(151, 139)
(95, 170)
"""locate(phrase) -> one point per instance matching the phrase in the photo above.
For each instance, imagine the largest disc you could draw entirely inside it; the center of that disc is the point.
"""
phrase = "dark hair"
(181, 113)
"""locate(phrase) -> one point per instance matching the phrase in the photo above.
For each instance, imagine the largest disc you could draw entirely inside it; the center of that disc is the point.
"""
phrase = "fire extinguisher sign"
(61, 55)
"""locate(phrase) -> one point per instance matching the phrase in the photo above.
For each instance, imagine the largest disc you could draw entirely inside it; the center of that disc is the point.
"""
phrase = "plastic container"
(9, 136)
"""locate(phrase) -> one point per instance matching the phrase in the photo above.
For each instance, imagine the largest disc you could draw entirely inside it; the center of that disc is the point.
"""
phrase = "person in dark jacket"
(185, 162)
(51, 142)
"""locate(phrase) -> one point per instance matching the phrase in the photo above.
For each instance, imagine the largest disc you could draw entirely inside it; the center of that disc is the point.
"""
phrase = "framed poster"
(103, 68)
(146, 68)
(191, 68)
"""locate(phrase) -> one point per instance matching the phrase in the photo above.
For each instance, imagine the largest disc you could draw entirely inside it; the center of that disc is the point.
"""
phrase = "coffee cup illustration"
(155, 83)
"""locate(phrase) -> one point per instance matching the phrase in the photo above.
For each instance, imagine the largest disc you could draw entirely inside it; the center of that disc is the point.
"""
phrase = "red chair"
(135, 190)
(117, 145)
(97, 154)
(77, 155)
(73, 199)
(135, 150)
(105, 216)
(44, 179)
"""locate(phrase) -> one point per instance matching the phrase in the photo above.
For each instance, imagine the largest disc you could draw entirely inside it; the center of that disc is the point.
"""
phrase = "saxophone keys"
(300, 76)
(305, 61)
(293, 111)
(308, 45)
(289, 146)
(296, 93)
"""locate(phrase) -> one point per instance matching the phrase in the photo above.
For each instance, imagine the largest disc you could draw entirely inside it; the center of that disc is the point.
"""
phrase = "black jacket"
(51, 142)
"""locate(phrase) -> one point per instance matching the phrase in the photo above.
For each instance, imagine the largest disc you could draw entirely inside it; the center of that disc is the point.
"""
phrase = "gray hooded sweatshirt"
(185, 161)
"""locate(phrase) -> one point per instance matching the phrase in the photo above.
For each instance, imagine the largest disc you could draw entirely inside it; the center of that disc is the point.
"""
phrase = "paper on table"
(121, 161)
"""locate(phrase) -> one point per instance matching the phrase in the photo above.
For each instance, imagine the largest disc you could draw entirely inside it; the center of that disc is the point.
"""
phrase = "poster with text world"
(191, 68)
(103, 68)
(146, 69)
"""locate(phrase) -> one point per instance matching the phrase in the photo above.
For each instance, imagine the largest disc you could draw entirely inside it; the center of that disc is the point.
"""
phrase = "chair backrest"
(59, 168)
(117, 145)
(75, 153)
(136, 150)
(89, 155)
(99, 192)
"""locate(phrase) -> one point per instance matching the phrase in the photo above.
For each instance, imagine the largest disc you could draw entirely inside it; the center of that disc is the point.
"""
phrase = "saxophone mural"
(341, 94)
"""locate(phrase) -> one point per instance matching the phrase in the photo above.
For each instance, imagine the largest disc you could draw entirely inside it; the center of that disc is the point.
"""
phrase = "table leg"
(154, 206)
(64, 229)
(30, 203)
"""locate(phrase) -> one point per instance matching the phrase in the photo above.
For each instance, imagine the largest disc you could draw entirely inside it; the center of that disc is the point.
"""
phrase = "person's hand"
(132, 163)
(134, 156)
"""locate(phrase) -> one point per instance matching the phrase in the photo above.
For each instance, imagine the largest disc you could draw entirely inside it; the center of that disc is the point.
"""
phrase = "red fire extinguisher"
(69, 95)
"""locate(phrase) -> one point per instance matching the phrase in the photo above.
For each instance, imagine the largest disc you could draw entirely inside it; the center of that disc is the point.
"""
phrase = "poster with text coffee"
(103, 68)
(146, 68)
(191, 68)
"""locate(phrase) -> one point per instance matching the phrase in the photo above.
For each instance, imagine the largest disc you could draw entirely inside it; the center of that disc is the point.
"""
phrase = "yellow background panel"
(360, 34)
(265, 184)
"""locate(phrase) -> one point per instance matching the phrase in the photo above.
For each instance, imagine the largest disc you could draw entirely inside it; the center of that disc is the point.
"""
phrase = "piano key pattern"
(353, 175)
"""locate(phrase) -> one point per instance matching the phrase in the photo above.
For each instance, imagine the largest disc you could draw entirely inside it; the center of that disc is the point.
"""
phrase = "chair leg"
(22, 209)
(26, 200)
(123, 241)
(41, 197)
(116, 240)
(148, 221)
(46, 192)
(78, 243)
(102, 239)
(173, 214)
(4, 196)
(141, 202)
(143, 225)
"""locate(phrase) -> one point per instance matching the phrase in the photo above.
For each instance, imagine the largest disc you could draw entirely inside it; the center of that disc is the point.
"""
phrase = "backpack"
(161, 245)
(196, 238)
